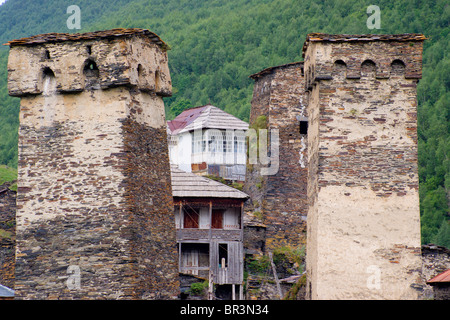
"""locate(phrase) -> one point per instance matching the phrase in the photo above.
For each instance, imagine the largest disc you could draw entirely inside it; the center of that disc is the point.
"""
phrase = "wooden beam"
(233, 292)
(274, 270)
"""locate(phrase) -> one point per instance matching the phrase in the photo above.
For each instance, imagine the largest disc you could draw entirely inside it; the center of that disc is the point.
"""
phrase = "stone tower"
(280, 196)
(94, 205)
(363, 218)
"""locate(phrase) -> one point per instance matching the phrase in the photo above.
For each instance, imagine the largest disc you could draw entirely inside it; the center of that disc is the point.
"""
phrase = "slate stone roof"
(269, 70)
(323, 37)
(106, 34)
(205, 117)
(186, 184)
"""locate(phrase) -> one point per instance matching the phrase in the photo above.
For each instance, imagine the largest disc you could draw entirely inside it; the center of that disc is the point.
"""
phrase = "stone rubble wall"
(364, 220)
(94, 197)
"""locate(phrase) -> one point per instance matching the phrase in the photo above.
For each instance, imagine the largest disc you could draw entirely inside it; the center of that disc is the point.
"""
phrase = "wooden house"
(208, 141)
(209, 229)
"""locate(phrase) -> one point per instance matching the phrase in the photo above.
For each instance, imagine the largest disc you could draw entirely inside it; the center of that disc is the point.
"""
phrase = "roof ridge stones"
(113, 33)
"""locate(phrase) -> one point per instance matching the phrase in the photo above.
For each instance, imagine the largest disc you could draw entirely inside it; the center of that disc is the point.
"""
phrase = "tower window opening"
(90, 68)
(48, 72)
(48, 81)
(303, 126)
(398, 67)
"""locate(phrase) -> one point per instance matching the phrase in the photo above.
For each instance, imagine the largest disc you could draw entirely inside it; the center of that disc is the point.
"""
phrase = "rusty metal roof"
(108, 34)
(440, 278)
(269, 70)
(184, 119)
(323, 37)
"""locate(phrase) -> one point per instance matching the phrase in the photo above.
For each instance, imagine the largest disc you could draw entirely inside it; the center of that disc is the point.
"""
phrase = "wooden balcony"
(209, 234)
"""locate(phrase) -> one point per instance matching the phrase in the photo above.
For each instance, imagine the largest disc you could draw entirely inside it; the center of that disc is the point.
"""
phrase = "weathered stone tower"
(94, 205)
(278, 96)
(363, 218)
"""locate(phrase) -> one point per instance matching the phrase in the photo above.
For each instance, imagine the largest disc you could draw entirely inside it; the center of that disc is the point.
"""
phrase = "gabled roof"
(186, 184)
(440, 278)
(269, 70)
(205, 117)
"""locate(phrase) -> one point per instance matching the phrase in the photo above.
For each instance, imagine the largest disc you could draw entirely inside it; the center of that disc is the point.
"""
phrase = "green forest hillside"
(216, 45)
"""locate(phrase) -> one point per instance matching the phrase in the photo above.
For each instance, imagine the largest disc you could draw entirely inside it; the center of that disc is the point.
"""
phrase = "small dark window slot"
(91, 69)
(303, 127)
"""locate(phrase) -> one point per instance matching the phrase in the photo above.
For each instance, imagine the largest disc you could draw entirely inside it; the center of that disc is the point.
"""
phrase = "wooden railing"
(208, 234)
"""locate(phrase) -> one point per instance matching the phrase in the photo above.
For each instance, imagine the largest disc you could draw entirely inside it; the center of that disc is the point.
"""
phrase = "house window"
(191, 218)
(173, 140)
(197, 142)
(228, 142)
(239, 142)
(194, 258)
(215, 141)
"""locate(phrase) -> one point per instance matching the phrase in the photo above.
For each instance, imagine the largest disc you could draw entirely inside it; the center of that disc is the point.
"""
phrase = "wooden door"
(190, 260)
(191, 218)
(217, 219)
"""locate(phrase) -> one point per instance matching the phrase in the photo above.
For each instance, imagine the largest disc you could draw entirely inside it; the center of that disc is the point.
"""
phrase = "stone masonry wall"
(363, 177)
(7, 234)
(149, 195)
(281, 197)
(435, 260)
(94, 198)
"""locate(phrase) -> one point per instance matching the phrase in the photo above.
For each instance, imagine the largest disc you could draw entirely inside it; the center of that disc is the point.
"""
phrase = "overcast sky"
(1, 1)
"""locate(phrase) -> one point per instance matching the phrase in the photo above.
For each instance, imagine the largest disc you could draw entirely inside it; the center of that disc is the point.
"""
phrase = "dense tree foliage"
(217, 44)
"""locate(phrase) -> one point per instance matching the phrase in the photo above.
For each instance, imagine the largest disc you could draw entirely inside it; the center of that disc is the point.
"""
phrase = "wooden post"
(210, 286)
(241, 225)
(275, 275)
(179, 257)
(181, 215)
(210, 220)
(233, 292)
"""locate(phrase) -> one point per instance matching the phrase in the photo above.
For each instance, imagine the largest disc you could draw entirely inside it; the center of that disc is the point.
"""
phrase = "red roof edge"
(185, 118)
(440, 278)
